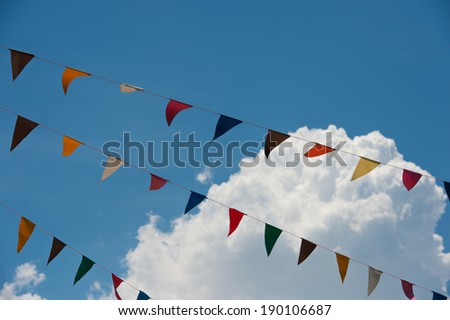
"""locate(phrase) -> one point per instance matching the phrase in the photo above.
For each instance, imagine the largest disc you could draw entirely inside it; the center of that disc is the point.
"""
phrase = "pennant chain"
(273, 138)
(271, 234)
(26, 228)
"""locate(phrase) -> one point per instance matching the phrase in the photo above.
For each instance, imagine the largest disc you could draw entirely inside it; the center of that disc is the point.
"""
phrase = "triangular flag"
(447, 189)
(342, 262)
(173, 108)
(116, 283)
(408, 290)
(128, 88)
(364, 167)
(26, 228)
(318, 150)
(194, 200)
(69, 74)
(225, 124)
(235, 219)
(113, 164)
(306, 248)
(374, 278)
(85, 265)
(157, 182)
(410, 178)
(273, 140)
(271, 235)
(57, 246)
(18, 61)
(438, 296)
(69, 146)
(143, 296)
(22, 130)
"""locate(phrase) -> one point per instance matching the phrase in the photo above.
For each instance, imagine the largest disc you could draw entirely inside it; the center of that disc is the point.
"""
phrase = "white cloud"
(205, 176)
(26, 278)
(373, 220)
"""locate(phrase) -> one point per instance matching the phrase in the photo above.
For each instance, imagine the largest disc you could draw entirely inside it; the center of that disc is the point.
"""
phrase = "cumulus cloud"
(25, 280)
(373, 220)
(205, 176)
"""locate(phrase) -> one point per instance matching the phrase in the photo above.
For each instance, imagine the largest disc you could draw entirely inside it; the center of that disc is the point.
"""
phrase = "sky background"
(374, 73)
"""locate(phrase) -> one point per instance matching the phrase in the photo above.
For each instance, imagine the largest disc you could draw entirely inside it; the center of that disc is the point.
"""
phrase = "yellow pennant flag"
(342, 262)
(112, 166)
(69, 74)
(69, 146)
(364, 167)
(26, 228)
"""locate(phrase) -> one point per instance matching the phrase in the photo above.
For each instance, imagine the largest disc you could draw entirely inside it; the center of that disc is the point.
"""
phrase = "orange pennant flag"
(69, 74)
(318, 150)
(113, 164)
(342, 262)
(69, 146)
(26, 228)
(364, 167)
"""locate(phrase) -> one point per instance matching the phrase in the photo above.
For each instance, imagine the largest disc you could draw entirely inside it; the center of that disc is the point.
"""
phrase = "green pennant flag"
(271, 235)
(85, 265)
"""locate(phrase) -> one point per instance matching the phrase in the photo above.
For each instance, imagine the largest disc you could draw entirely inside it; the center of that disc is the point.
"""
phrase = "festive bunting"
(18, 62)
(408, 290)
(57, 246)
(271, 235)
(273, 140)
(438, 296)
(143, 296)
(364, 167)
(69, 74)
(128, 88)
(156, 182)
(116, 283)
(224, 124)
(235, 219)
(374, 278)
(410, 178)
(447, 189)
(22, 130)
(342, 262)
(318, 150)
(194, 200)
(306, 248)
(85, 265)
(69, 146)
(173, 108)
(26, 228)
(112, 165)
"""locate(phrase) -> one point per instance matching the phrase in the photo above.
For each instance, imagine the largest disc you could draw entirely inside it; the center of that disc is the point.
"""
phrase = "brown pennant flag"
(22, 130)
(306, 248)
(273, 140)
(19, 60)
(57, 246)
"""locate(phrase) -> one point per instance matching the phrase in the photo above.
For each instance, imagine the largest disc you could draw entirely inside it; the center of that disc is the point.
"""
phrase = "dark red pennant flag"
(157, 182)
(408, 289)
(318, 150)
(116, 283)
(410, 178)
(306, 248)
(57, 247)
(18, 61)
(235, 219)
(273, 140)
(22, 130)
(173, 108)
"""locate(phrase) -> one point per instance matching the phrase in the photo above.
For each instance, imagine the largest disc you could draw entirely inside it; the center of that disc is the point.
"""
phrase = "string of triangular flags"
(20, 59)
(26, 228)
(25, 126)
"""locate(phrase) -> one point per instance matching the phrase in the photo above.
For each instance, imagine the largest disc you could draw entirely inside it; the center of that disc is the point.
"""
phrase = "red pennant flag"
(173, 108)
(408, 289)
(19, 60)
(410, 178)
(318, 150)
(22, 130)
(273, 140)
(157, 182)
(116, 283)
(235, 218)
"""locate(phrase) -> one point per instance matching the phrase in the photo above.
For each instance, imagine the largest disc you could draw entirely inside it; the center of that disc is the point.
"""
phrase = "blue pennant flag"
(194, 200)
(143, 296)
(225, 124)
(447, 189)
(438, 296)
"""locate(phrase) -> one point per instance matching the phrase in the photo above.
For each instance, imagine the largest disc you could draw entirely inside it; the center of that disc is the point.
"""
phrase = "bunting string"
(272, 232)
(26, 58)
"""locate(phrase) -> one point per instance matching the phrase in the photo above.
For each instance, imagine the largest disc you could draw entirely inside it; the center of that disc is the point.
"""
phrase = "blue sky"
(360, 65)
